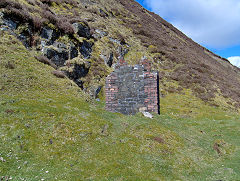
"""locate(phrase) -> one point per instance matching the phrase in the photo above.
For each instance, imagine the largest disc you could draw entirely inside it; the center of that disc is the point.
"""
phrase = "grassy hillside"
(51, 130)
(113, 28)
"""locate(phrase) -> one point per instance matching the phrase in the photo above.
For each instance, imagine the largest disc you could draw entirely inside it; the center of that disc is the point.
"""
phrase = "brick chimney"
(146, 64)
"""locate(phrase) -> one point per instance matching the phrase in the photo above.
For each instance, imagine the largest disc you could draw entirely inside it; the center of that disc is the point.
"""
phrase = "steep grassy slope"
(180, 59)
(124, 28)
(51, 130)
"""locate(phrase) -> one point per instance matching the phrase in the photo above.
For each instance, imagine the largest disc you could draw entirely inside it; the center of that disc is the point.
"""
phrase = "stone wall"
(130, 89)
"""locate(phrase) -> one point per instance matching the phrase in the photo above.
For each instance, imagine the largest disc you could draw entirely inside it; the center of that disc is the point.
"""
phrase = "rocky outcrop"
(57, 53)
(108, 59)
(95, 90)
(49, 35)
(66, 51)
(98, 34)
(79, 70)
(7, 23)
(82, 30)
(76, 69)
(86, 49)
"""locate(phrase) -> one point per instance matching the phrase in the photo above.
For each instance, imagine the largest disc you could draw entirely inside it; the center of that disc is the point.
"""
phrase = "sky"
(215, 24)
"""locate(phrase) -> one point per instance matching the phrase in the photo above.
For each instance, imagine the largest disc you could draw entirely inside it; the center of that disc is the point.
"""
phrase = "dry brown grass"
(197, 69)
(58, 74)
(45, 60)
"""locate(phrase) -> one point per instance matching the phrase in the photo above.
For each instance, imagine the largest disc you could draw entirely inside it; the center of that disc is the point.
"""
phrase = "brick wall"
(131, 88)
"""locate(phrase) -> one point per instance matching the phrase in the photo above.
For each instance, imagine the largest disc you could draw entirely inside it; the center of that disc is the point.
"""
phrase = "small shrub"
(116, 12)
(16, 13)
(65, 27)
(50, 16)
(77, 19)
(49, 2)
(142, 32)
(46, 61)
(171, 89)
(10, 65)
(32, 2)
(152, 49)
(43, 6)
(216, 147)
(37, 22)
(9, 111)
(158, 139)
(92, 10)
(71, 2)
(199, 90)
(161, 75)
(14, 4)
(4, 3)
(58, 74)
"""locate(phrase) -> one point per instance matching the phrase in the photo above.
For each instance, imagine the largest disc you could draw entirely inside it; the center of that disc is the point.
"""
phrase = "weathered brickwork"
(130, 89)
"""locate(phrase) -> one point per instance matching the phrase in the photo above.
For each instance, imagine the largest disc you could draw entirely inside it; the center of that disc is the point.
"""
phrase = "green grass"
(50, 130)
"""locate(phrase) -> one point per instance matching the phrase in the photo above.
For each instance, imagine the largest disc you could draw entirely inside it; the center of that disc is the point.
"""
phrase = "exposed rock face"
(58, 53)
(49, 35)
(82, 30)
(95, 90)
(99, 34)
(58, 47)
(57, 44)
(86, 49)
(6, 22)
(108, 59)
(73, 51)
(26, 37)
(9, 23)
(77, 70)
(122, 51)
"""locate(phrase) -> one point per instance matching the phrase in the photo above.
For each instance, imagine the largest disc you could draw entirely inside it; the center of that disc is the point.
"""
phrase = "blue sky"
(215, 24)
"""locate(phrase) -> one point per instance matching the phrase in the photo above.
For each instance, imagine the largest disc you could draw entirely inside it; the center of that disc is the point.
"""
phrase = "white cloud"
(235, 61)
(214, 23)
